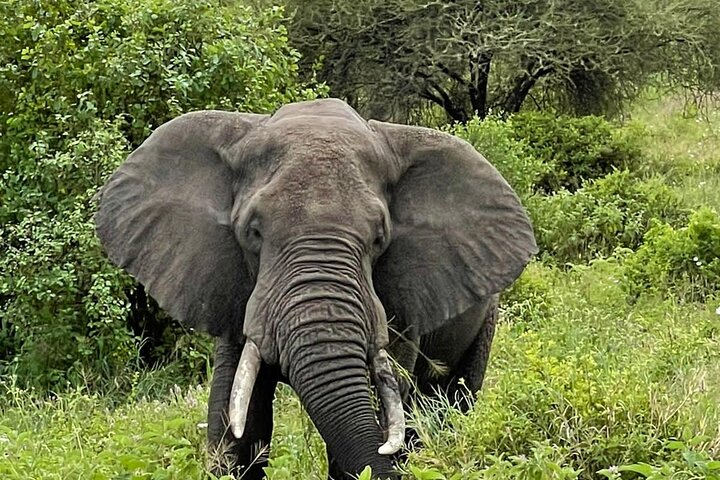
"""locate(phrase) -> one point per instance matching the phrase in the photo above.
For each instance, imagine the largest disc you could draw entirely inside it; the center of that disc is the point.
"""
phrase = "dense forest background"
(601, 114)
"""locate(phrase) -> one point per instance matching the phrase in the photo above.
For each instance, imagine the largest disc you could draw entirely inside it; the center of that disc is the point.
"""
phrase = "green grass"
(585, 381)
(580, 381)
(685, 148)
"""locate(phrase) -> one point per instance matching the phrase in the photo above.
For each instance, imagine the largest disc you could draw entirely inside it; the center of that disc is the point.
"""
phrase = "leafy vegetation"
(683, 261)
(587, 383)
(608, 213)
(606, 361)
(576, 149)
(84, 83)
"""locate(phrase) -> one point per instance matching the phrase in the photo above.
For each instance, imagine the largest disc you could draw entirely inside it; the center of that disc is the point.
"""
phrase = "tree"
(390, 58)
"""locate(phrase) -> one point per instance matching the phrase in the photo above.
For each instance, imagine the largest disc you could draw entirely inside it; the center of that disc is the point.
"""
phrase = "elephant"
(316, 246)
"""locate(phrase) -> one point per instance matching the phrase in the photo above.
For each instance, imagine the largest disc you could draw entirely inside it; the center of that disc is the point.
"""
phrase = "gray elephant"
(311, 243)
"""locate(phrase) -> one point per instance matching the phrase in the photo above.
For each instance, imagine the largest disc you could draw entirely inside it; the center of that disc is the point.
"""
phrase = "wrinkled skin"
(322, 238)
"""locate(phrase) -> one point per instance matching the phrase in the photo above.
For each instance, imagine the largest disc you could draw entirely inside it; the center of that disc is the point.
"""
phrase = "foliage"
(689, 464)
(532, 297)
(682, 144)
(61, 309)
(68, 62)
(606, 214)
(83, 438)
(678, 261)
(469, 58)
(82, 84)
(494, 138)
(544, 152)
(575, 150)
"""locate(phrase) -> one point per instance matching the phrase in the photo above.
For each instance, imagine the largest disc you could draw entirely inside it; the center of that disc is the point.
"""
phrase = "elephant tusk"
(389, 392)
(245, 376)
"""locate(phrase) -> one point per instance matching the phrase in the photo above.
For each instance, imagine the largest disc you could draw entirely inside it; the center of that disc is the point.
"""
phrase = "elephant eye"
(253, 237)
(379, 242)
(254, 234)
(382, 231)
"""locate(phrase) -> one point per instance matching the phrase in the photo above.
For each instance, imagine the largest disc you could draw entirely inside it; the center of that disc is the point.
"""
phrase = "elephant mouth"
(382, 374)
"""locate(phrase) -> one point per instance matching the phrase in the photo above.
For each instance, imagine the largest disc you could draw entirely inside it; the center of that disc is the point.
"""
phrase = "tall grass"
(685, 145)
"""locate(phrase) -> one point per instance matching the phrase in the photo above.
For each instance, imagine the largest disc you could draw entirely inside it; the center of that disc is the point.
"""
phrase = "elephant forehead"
(320, 186)
(323, 152)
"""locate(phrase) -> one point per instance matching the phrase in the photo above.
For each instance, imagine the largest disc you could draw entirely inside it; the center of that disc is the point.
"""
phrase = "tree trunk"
(479, 77)
(521, 88)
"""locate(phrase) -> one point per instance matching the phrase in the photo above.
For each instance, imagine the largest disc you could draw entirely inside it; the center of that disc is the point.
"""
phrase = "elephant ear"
(459, 232)
(164, 216)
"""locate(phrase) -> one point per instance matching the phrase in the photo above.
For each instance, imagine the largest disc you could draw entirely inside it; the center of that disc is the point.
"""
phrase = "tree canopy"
(390, 58)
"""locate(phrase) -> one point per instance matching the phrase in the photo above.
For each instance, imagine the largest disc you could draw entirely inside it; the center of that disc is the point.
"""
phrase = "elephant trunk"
(331, 379)
(324, 324)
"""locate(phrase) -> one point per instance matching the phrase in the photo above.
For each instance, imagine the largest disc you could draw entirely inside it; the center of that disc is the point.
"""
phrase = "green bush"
(63, 308)
(64, 63)
(685, 463)
(681, 261)
(606, 214)
(530, 299)
(575, 149)
(493, 138)
(81, 84)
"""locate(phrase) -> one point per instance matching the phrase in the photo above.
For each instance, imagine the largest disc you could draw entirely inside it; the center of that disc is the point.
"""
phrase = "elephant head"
(299, 234)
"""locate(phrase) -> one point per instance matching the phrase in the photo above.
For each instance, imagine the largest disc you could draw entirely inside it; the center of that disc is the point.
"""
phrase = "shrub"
(63, 306)
(681, 261)
(575, 149)
(81, 84)
(602, 216)
(530, 299)
(64, 63)
(493, 138)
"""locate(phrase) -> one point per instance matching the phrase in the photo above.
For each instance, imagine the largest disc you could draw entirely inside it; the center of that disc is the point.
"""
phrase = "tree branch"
(441, 98)
(522, 86)
(454, 75)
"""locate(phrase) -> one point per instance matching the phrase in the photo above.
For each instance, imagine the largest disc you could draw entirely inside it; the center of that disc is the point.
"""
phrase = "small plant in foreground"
(686, 464)
(678, 261)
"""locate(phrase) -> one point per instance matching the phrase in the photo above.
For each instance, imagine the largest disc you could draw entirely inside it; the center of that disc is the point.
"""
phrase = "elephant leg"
(464, 348)
(335, 472)
(474, 363)
(247, 456)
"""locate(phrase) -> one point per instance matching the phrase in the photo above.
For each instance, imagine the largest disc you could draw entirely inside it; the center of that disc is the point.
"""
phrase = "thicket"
(81, 84)
(396, 58)
(579, 181)
(682, 261)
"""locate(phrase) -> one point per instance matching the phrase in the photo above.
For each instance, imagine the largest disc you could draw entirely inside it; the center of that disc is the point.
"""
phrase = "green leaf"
(642, 468)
